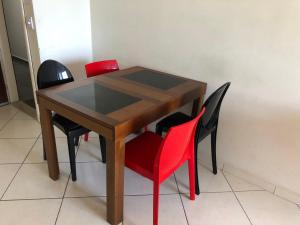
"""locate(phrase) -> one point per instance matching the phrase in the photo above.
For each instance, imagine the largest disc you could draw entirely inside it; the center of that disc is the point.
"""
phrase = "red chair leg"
(86, 137)
(192, 178)
(155, 203)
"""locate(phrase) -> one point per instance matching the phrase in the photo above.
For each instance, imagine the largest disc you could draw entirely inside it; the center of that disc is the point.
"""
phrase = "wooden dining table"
(115, 105)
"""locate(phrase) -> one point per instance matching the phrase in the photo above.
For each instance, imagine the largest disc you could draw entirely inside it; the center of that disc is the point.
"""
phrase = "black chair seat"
(66, 125)
(170, 121)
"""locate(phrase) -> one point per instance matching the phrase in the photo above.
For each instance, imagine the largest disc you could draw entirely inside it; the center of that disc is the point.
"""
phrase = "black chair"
(52, 73)
(207, 125)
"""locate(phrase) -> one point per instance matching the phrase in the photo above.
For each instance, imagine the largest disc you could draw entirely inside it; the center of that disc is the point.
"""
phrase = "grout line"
(10, 119)
(181, 200)
(139, 195)
(4, 164)
(19, 168)
(30, 138)
(79, 197)
(20, 138)
(27, 199)
(11, 182)
(237, 199)
(251, 191)
(207, 192)
(62, 200)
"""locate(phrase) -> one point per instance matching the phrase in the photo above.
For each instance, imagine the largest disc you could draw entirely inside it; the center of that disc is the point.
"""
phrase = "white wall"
(64, 32)
(14, 22)
(255, 44)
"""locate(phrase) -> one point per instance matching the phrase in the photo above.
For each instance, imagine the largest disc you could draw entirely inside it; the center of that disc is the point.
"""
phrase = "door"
(19, 19)
(3, 94)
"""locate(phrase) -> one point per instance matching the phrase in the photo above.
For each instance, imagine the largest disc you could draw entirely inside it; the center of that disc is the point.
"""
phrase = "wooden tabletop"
(151, 103)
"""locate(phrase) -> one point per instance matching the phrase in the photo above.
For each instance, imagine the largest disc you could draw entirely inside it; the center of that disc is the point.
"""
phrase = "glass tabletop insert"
(155, 79)
(99, 98)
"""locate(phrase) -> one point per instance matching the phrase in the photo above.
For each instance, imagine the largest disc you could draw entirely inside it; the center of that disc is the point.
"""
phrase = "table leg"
(115, 180)
(49, 142)
(197, 105)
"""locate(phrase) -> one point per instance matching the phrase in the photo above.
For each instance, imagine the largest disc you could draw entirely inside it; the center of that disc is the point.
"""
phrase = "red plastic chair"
(156, 158)
(100, 68)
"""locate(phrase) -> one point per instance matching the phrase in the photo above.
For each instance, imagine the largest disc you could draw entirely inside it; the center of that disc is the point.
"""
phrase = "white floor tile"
(21, 129)
(36, 155)
(7, 112)
(264, 208)
(2, 123)
(78, 211)
(7, 173)
(58, 133)
(33, 181)
(23, 116)
(215, 209)
(138, 210)
(135, 184)
(239, 184)
(89, 151)
(29, 212)
(93, 134)
(15, 150)
(208, 182)
(91, 180)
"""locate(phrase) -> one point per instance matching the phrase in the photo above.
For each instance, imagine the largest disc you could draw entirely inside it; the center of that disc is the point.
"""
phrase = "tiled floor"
(29, 197)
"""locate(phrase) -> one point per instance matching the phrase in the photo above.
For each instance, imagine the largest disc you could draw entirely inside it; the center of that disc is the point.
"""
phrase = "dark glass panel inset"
(155, 79)
(99, 98)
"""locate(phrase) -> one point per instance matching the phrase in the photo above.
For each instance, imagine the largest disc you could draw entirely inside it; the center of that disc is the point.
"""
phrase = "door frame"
(33, 51)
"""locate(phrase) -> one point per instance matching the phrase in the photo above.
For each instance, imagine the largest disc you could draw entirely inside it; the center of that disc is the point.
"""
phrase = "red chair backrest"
(102, 67)
(176, 148)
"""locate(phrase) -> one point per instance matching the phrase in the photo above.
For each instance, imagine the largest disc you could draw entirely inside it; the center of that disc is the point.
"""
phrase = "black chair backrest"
(212, 106)
(53, 73)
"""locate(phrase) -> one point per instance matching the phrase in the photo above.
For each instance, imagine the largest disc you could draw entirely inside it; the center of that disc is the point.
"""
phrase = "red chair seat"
(141, 153)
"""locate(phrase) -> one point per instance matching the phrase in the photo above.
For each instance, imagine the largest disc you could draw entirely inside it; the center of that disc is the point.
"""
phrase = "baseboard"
(249, 177)
(287, 194)
(270, 187)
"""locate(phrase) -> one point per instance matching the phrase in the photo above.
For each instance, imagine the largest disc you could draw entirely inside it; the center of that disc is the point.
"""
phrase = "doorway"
(13, 14)
(3, 94)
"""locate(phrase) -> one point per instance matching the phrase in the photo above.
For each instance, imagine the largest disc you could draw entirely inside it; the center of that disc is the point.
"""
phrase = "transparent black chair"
(52, 73)
(208, 125)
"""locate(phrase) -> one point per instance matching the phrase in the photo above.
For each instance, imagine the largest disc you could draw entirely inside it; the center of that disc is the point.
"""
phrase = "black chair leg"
(197, 188)
(76, 141)
(71, 146)
(214, 151)
(103, 148)
(159, 130)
